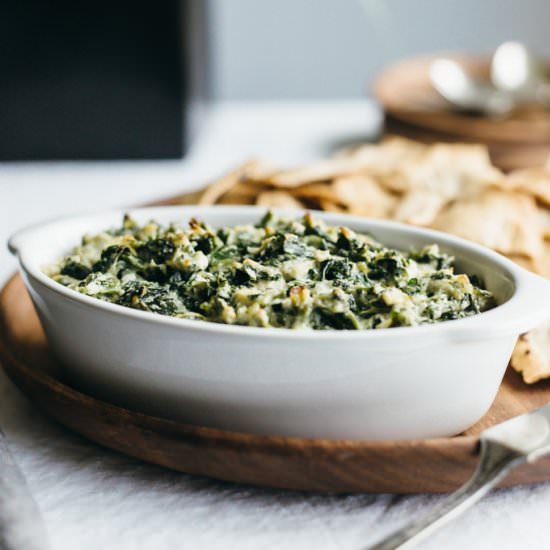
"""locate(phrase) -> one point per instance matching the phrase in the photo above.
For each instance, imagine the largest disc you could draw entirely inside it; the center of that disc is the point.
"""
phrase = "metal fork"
(522, 439)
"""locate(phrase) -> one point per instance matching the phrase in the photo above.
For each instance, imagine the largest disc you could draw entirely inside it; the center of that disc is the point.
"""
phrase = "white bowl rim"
(525, 283)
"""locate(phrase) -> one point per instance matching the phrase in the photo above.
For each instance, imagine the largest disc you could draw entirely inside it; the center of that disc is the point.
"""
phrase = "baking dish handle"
(14, 242)
(528, 308)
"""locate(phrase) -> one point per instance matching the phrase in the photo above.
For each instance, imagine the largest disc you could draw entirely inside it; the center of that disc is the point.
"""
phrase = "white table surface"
(93, 498)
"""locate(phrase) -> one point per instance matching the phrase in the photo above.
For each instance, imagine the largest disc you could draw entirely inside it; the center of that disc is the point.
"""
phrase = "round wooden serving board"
(434, 465)
(406, 93)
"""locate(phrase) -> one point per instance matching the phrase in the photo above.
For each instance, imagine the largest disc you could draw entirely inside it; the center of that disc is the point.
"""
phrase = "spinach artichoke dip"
(288, 273)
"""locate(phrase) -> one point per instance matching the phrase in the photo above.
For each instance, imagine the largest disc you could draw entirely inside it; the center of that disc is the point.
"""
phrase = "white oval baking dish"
(396, 383)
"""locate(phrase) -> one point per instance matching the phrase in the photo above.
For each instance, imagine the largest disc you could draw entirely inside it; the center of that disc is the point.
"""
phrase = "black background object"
(111, 79)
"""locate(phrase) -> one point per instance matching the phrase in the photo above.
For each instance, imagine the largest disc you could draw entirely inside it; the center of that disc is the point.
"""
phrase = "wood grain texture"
(435, 465)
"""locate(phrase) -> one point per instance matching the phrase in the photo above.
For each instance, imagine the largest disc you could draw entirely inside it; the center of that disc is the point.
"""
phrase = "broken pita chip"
(323, 170)
(315, 191)
(451, 171)
(234, 197)
(387, 155)
(249, 190)
(277, 199)
(385, 160)
(534, 181)
(330, 206)
(363, 196)
(543, 263)
(506, 222)
(531, 356)
(185, 198)
(419, 207)
(472, 159)
(370, 159)
(544, 222)
(221, 186)
(261, 173)
(448, 170)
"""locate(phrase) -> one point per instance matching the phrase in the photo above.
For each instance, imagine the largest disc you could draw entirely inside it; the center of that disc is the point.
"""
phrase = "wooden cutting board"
(431, 465)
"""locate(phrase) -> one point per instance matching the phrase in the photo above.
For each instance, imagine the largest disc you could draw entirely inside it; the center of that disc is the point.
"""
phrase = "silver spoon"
(459, 88)
(517, 76)
(516, 70)
(522, 439)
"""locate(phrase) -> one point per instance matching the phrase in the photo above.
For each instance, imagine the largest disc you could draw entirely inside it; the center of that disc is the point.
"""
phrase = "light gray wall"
(279, 49)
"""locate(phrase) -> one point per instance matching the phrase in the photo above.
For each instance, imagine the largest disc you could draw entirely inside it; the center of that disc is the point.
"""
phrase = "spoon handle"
(495, 462)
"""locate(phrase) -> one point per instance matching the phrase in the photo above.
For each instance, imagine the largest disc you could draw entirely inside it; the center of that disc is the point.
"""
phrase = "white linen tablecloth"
(93, 498)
